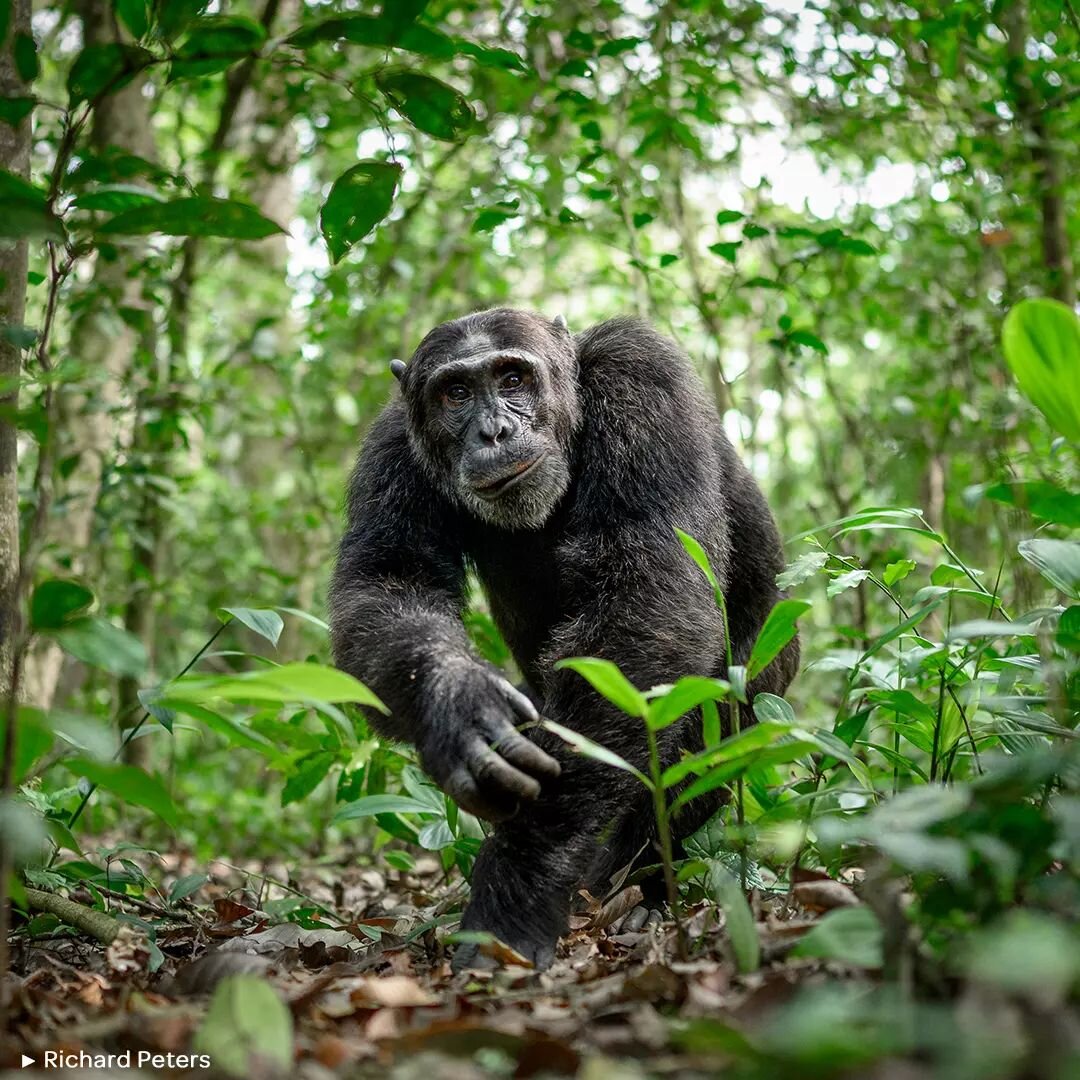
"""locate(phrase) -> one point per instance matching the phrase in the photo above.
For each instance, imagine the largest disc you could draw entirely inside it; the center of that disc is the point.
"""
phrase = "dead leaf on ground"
(824, 895)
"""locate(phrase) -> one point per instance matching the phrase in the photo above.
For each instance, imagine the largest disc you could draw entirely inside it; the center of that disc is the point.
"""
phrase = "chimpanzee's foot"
(642, 917)
(473, 956)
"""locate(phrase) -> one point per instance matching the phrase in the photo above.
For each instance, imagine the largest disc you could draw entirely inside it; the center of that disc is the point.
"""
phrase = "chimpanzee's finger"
(461, 786)
(493, 773)
(518, 701)
(524, 754)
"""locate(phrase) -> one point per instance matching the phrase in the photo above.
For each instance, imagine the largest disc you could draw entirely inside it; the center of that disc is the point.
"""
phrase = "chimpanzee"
(557, 467)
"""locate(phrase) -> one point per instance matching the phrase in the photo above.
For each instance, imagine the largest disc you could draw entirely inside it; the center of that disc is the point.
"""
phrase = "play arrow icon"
(27, 1060)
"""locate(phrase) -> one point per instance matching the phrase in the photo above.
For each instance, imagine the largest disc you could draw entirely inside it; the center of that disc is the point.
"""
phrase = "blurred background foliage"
(831, 205)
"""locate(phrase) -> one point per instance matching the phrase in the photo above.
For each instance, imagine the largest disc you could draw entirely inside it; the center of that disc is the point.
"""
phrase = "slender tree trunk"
(1034, 123)
(15, 158)
(107, 347)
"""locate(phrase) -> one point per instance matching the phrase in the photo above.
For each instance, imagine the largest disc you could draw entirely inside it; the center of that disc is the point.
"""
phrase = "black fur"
(584, 561)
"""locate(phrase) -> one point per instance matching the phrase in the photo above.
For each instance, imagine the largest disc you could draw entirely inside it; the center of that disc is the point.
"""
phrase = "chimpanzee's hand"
(471, 747)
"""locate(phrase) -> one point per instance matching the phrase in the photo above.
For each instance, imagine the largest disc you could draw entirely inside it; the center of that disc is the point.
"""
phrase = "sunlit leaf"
(429, 105)
(1057, 560)
(129, 783)
(97, 642)
(198, 215)
(779, 629)
(372, 805)
(359, 199)
(605, 678)
(264, 622)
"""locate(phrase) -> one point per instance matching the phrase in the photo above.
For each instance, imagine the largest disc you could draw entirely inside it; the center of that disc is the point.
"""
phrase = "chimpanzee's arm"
(395, 615)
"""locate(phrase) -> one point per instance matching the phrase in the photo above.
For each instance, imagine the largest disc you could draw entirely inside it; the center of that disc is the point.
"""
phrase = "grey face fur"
(493, 406)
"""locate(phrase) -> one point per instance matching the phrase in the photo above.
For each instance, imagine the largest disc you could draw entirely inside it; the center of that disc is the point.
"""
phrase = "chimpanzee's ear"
(398, 368)
(560, 322)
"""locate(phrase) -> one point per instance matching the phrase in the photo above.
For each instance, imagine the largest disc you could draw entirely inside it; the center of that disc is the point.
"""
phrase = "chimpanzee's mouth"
(493, 489)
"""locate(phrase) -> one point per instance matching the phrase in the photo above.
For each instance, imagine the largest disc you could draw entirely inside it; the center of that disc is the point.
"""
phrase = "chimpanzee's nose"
(494, 429)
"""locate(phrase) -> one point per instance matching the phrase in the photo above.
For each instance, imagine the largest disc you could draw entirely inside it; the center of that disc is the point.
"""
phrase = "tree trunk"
(1033, 122)
(15, 158)
(107, 348)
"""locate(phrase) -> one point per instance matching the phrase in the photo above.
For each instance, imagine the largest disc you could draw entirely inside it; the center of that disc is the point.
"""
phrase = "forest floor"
(374, 996)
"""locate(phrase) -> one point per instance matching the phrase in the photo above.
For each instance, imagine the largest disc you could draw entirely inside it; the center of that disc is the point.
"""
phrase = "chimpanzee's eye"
(457, 393)
(512, 380)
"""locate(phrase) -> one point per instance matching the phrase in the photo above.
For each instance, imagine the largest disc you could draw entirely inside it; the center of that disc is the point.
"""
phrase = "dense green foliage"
(857, 218)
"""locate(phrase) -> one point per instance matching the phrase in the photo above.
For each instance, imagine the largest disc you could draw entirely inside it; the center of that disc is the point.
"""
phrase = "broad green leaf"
(230, 730)
(400, 14)
(1041, 339)
(724, 217)
(33, 737)
(103, 69)
(186, 886)
(1057, 560)
(24, 53)
(778, 630)
(371, 805)
(435, 835)
(288, 683)
(56, 602)
(247, 1030)
(429, 105)
(26, 210)
(989, 628)
(174, 15)
(95, 641)
(802, 569)
(605, 678)
(114, 198)
(309, 772)
(14, 110)
(728, 250)
(769, 707)
(668, 704)
(359, 199)
(214, 43)
(377, 32)
(843, 582)
(734, 746)
(811, 341)
(129, 783)
(725, 891)
(198, 215)
(897, 571)
(1037, 497)
(134, 14)
(851, 935)
(588, 748)
(263, 621)
(787, 750)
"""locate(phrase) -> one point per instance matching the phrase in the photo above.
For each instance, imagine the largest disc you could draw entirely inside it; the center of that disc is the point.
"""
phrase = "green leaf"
(588, 748)
(97, 642)
(725, 891)
(851, 935)
(214, 43)
(360, 198)
(14, 110)
(26, 210)
(24, 53)
(668, 704)
(435, 835)
(103, 69)
(697, 553)
(134, 14)
(56, 602)
(34, 737)
(854, 246)
(605, 678)
(1057, 560)
(897, 571)
(265, 622)
(804, 337)
(778, 630)
(129, 783)
(842, 582)
(1037, 497)
(198, 215)
(1041, 339)
(429, 105)
(727, 250)
(310, 772)
(247, 1029)
(769, 708)
(802, 569)
(113, 198)
(372, 805)
(725, 217)
(287, 683)
(400, 14)
(186, 886)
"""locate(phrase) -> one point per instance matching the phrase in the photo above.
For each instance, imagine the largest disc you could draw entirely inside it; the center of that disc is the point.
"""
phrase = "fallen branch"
(95, 923)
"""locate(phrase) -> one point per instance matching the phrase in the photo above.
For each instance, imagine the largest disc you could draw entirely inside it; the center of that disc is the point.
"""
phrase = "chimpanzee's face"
(493, 403)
